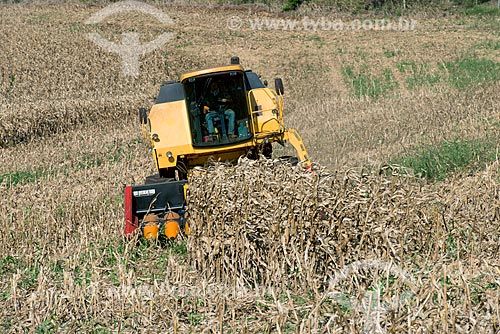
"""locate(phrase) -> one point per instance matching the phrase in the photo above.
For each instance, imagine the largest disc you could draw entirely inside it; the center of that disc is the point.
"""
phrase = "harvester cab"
(216, 114)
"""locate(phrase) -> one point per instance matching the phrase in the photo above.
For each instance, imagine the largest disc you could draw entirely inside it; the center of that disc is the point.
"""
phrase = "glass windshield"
(218, 111)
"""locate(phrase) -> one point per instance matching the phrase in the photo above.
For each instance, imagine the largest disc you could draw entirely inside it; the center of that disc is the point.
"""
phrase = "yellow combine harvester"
(219, 113)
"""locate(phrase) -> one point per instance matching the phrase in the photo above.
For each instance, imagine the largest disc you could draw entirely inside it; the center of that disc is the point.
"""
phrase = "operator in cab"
(215, 105)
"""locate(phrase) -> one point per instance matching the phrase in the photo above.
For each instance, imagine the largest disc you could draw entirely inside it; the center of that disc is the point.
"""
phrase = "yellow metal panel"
(170, 122)
(262, 104)
(199, 156)
(164, 161)
(294, 138)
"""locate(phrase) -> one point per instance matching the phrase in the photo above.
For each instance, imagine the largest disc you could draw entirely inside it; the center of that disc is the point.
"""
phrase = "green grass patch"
(48, 326)
(481, 10)
(179, 248)
(468, 72)
(6, 324)
(29, 278)
(437, 163)
(465, 72)
(9, 264)
(367, 85)
(195, 318)
(489, 45)
(418, 74)
(390, 53)
(23, 177)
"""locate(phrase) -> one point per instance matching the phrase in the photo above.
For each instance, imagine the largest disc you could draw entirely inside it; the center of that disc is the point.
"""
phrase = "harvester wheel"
(253, 154)
(267, 150)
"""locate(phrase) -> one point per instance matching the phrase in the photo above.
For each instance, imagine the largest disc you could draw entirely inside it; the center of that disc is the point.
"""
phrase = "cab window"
(218, 109)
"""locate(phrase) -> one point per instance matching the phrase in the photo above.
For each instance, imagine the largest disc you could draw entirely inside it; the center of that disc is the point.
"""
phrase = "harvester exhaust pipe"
(235, 60)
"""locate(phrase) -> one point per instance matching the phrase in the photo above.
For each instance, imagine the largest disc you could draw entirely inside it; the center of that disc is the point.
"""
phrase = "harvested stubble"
(262, 224)
(21, 122)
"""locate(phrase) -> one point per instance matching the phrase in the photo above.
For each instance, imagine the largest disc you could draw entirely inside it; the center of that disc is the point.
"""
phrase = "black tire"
(289, 160)
(252, 154)
(168, 173)
(267, 150)
(143, 116)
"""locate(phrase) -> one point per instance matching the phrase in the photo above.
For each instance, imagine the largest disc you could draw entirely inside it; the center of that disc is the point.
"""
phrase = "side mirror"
(266, 83)
(278, 85)
(143, 116)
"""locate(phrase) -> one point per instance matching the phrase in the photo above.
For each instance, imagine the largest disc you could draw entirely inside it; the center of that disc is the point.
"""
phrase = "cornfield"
(262, 225)
(357, 246)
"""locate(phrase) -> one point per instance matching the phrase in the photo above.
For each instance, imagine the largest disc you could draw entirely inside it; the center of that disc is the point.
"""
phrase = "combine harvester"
(216, 114)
